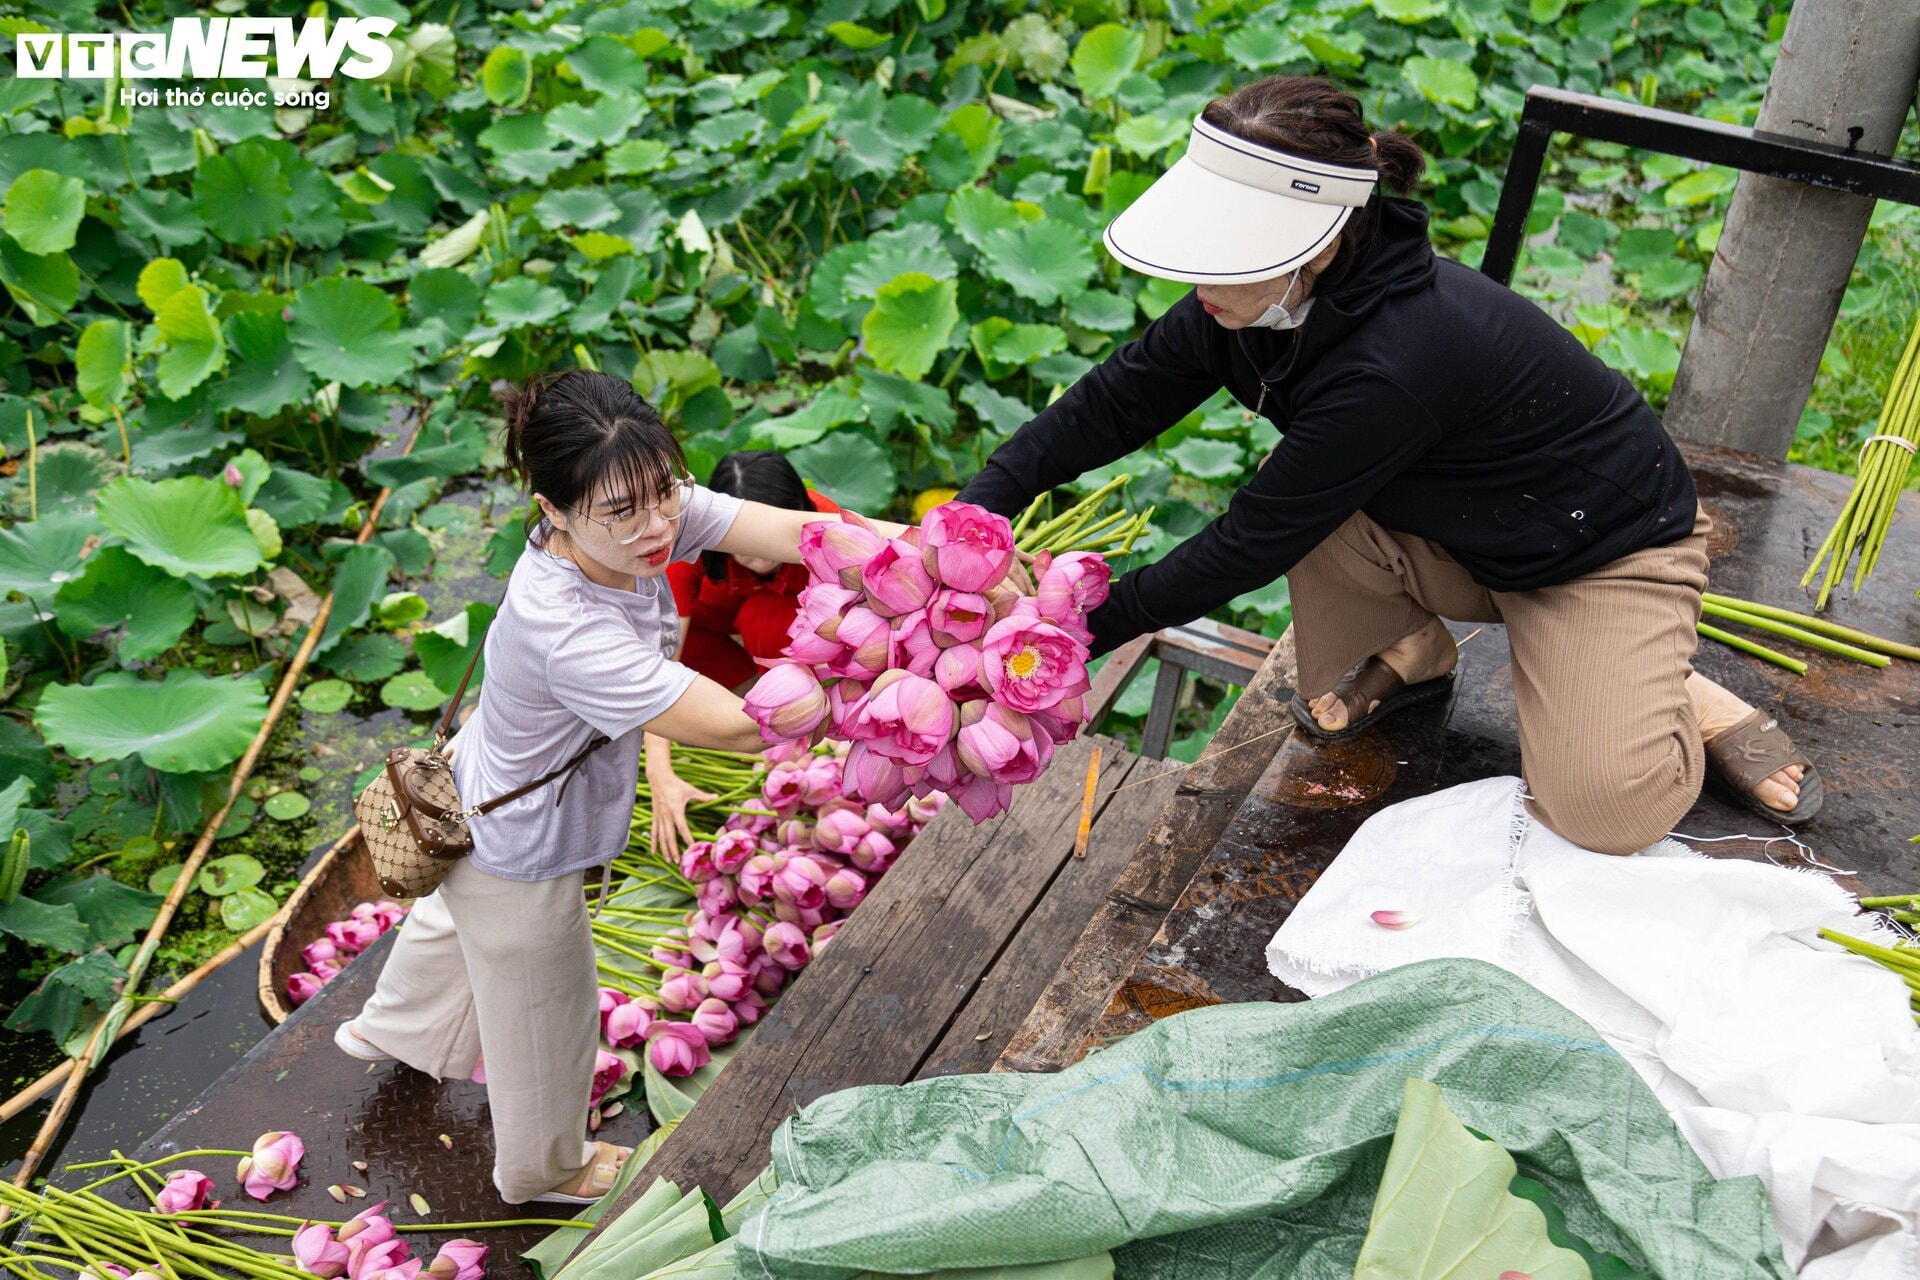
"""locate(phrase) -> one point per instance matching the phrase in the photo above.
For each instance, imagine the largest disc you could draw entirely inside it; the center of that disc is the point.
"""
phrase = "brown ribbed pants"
(1609, 744)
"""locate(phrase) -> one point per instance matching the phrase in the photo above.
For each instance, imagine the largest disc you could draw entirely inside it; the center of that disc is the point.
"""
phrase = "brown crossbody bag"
(411, 819)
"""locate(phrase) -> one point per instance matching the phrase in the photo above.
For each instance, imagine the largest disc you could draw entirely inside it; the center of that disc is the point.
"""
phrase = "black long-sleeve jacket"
(1420, 391)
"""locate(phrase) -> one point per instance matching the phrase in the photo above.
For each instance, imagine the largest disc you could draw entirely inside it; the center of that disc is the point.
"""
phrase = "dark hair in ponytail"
(578, 434)
(1311, 116)
(757, 475)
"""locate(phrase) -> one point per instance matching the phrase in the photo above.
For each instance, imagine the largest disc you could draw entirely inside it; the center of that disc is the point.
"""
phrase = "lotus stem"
(1807, 622)
(1798, 635)
(1794, 665)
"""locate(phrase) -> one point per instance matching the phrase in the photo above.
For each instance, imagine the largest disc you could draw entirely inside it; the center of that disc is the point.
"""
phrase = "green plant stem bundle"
(1823, 626)
(1884, 463)
(1079, 527)
(1815, 633)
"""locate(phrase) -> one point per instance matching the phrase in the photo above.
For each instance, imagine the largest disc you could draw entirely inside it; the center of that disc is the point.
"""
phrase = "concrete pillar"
(1773, 291)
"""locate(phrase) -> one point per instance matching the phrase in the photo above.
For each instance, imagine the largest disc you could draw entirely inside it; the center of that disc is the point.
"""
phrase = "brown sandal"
(1741, 758)
(1370, 681)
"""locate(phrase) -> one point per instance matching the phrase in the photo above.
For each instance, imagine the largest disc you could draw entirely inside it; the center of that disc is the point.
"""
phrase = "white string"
(1805, 850)
(1898, 441)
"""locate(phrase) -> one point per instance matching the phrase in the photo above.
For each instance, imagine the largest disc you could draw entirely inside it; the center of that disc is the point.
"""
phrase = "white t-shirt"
(566, 657)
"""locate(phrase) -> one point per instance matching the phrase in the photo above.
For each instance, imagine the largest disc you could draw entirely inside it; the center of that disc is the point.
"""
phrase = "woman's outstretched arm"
(773, 533)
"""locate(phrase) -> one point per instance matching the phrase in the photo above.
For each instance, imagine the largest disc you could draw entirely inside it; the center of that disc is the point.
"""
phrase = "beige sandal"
(597, 1178)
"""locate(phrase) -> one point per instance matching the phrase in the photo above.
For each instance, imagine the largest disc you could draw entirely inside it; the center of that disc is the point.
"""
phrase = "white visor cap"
(1234, 212)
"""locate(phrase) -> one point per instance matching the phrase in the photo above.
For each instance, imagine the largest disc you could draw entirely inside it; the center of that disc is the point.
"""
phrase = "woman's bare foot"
(1427, 654)
(1718, 709)
(585, 1183)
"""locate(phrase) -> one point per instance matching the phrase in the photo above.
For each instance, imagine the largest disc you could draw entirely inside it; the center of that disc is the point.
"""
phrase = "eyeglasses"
(626, 529)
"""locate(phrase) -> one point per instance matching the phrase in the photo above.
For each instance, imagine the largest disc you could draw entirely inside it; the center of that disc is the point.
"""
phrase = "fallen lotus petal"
(1392, 919)
(419, 1203)
(612, 1109)
(361, 1165)
(446, 1141)
(338, 1192)
(358, 1193)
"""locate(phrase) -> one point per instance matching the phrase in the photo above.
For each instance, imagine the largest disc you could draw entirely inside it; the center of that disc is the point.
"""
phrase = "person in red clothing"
(733, 609)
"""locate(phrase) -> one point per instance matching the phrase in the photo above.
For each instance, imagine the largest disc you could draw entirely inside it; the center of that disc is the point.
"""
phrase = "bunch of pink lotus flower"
(326, 955)
(366, 1248)
(773, 888)
(948, 663)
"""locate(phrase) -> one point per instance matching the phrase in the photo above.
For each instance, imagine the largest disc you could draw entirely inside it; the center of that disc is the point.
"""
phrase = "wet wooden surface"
(1860, 726)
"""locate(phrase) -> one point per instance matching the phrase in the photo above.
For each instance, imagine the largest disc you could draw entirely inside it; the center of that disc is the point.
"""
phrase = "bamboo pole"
(117, 1015)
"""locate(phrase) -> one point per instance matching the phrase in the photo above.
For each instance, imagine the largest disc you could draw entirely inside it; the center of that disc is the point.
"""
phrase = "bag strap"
(579, 757)
(440, 734)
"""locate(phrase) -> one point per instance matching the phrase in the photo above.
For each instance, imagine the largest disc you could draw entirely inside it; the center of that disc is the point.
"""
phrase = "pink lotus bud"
(895, 580)
(717, 894)
(353, 936)
(727, 979)
(808, 918)
(873, 853)
(302, 987)
(608, 1071)
(318, 1253)
(367, 1228)
(756, 878)
(967, 547)
(907, 721)
(781, 791)
(403, 1269)
(838, 552)
(748, 1008)
(731, 849)
(801, 882)
(1072, 586)
(845, 889)
(888, 822)
(944, 771)
(326, 969)
(837, 832)
(366, 1260)
(982, 798)
(787, 702)
(1030, 666)
(273, 1166)
(794, 833)
(677, 1048)
(921, 809)
(320, 949)
(768, 976)
(873, 777)
(1064, 720)
(696, 862)
(787, 946)
(1393, 919)
(233, 477)
(110, 1268)
(826, 933)
(385, 913)
(819, 610)
(1003, 745)
(681, 991)
(868, 641)
(668, 954)
(459, 1260)
(627, 1025)
(914, 646)
(184, 1191)
(820, 783)
(714, 1019)
(958, 617)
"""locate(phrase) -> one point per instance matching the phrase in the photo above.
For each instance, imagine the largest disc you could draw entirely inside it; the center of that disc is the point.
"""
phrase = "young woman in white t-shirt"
(498, 963)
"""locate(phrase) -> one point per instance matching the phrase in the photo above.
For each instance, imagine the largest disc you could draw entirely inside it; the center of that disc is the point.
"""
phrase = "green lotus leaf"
(42, 924)
(1000, 340)
(246, 909)
(160, 280)
(45, 285)
(242, 195)
(364, 186)
(445, 648)
(1205, 459)
(186, 525)
(103, 363)
(162, 216)
(164, 878)
(398, 609)
(37, 556)
(324, 697)
(524, 302)
(347, 331)
(1102, 311)
(24, 755)
(250, 616)
(637, 155)
(849, 468)
(195, 347)
(1147, 136)
(1447, 81)
(977, 212)
(507, 76)
(907, 329)
(598, 124)
(285, 806)
(265, 532)
(120, 594)
(968, 144)
(60, 1004)
(266, 376)
(43, 210)
(880, 132)
(359, 579)
(293, 498)
(164, 448)
(186, 723)
(68, 477)
(671, 378)
(1040, 261)
(412, 691)
(366, 658)
(1443, 1208)
(1410, 10)
(222, 876)
(112, 912)
(582, 207)
(443, 304)
(855, 36)
(605, 64)
(1105, 56)
(448, 446)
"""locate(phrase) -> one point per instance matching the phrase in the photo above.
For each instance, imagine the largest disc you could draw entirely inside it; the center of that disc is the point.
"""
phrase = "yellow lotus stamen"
(1023, 663)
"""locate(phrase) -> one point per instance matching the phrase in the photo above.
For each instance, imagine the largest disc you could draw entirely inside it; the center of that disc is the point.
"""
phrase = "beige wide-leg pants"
(503, 968)
(1608, 740)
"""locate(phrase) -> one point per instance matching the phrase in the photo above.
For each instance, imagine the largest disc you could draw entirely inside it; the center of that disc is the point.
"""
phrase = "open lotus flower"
(714, 1018)
(896, 581)
(627, 1025)
(998, 743)
(608, 1070)
(1393, 919)
(906, 720)
(781, 791)
(459, 1260)
(303, 986)
(787, 702)
(787, 945)
(273, 1166)
(1073, 585)
(731, 849)
(318, 1253)
(967, 547)
(677, 1048)
(1031, 665)
(184, 1191)
(838, 552)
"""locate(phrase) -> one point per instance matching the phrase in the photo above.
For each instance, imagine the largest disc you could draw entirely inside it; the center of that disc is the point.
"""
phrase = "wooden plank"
(1158, 731)
(1008, 992)
(1204, 800)
(866, 1009)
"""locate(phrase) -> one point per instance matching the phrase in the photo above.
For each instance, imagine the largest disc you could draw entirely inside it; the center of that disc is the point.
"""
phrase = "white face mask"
(1276, 316)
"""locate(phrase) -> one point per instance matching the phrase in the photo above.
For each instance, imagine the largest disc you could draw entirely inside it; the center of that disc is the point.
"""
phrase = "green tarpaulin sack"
(1246, 1142)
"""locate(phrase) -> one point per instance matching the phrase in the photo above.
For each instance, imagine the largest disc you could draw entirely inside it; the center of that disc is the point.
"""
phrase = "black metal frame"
(1550, 111)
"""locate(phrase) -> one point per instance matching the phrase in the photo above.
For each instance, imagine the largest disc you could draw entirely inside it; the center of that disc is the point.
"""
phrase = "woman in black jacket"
(1446, 450)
